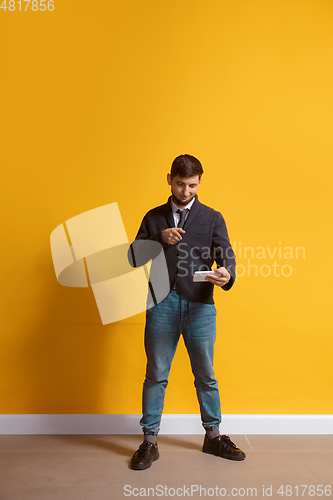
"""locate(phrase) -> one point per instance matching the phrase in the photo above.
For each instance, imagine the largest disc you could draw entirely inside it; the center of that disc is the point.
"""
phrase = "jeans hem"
(151, 432)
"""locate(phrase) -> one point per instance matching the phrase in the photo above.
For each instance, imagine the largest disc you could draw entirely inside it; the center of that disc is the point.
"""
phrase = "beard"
(181, 202)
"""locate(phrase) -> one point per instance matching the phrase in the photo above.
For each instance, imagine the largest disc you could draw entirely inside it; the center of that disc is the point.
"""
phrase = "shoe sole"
(230, 457)
(144, 467)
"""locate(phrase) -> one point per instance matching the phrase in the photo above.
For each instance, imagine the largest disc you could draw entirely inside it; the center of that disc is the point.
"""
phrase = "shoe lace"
(227, 438)
(143, 449)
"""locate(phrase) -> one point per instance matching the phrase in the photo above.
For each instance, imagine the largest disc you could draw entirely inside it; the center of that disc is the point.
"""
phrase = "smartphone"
(201, 275)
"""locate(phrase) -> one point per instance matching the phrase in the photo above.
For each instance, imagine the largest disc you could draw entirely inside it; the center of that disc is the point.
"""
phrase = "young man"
(193, 236)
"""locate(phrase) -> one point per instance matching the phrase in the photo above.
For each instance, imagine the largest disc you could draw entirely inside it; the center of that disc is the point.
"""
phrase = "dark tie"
(182, 216)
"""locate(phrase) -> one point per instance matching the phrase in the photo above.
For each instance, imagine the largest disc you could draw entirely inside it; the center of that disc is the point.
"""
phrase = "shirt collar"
(175, 208)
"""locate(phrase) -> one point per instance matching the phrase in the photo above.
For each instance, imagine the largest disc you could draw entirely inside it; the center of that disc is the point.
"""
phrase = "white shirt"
(174, 207)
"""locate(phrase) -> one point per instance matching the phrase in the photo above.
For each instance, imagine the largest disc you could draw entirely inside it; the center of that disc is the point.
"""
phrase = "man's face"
(183, 189)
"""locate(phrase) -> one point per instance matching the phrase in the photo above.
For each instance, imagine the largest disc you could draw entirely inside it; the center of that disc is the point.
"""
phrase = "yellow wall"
(96, 99)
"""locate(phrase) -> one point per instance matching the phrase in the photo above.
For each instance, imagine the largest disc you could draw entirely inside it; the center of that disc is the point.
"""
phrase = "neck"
(181, 206)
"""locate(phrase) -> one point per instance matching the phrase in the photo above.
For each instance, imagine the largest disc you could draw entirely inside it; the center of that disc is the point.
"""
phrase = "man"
(193, 236)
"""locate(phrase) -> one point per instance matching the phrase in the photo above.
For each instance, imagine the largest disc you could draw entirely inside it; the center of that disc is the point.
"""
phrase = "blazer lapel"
(169, 213)
(195, 209)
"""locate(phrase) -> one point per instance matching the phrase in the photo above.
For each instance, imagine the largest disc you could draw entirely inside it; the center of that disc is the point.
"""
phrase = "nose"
(186, 191)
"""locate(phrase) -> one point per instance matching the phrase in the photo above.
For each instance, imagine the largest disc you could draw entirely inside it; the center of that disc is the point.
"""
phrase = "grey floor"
(95, 467)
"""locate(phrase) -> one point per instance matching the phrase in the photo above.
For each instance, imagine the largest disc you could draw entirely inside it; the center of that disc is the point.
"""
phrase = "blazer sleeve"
(145, 233)
(140, 252)
(222, 250)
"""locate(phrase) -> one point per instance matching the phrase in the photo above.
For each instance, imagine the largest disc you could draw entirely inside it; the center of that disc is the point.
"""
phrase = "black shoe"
(222, 446)
(144, 456)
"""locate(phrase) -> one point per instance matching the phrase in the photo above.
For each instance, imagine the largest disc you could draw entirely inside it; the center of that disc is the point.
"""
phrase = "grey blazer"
(206, 240)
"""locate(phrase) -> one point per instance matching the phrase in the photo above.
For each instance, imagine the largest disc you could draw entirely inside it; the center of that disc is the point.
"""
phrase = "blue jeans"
(165, 322)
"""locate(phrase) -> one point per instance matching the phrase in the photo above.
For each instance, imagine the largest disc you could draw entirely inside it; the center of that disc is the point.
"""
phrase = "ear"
(169, 179)
(200, 181)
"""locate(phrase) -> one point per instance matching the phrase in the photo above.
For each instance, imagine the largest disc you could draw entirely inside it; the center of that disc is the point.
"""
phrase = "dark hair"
(186, 166)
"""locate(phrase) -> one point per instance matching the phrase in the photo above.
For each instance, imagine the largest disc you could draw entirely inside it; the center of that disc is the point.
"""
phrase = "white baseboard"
(171, 424)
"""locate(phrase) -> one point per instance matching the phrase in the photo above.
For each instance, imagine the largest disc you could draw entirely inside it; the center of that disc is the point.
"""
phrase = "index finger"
(180, 230)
